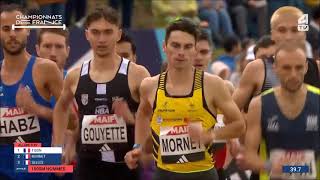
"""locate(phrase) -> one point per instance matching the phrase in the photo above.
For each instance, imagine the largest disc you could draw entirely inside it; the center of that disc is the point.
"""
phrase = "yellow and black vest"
(173, 149)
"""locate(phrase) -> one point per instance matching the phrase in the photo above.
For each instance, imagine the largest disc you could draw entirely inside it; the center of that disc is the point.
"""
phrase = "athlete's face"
(285, 29)
(124, 49)
(180, 49)
(103, 36)
(203, 56)
(53, 46)
(264, 53)
(291, 68)
(12, 41)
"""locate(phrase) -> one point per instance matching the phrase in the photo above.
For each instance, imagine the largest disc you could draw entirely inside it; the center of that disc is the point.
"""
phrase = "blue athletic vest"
(8, 104)
(301, 133)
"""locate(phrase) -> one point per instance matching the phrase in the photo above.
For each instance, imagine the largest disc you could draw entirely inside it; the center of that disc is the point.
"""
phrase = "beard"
(20, 46)
(292, 88)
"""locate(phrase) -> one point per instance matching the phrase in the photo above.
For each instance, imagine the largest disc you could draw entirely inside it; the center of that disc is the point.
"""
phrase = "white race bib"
(100, 129)
(305, 158)
(175, 140)
(17, 122)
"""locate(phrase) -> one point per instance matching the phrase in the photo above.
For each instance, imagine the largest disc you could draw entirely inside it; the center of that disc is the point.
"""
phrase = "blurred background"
(232, 23)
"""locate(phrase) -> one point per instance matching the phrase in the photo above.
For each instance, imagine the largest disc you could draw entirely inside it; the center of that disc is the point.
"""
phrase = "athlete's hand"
(197, 133)
(132, 157)
(25, 100)
(234, 147)
(249, 160)
(121, 108)
(69, 154)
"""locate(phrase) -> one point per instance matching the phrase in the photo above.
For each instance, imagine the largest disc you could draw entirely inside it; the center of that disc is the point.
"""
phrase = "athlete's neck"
(105, 63)
(16, 62)
(292, 96)
(180, 76)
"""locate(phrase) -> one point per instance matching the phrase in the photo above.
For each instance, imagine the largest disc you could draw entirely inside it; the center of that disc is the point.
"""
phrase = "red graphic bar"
(50, 168)
(27, 144)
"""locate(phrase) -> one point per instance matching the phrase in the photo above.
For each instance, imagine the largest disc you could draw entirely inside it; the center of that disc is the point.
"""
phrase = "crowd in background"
(234, 25)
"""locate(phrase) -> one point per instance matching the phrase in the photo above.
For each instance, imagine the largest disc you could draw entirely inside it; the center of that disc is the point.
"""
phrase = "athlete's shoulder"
(73, 74)
(149, 83)
(139, 70)
(255, 66)
(45, 64)
(212, 80)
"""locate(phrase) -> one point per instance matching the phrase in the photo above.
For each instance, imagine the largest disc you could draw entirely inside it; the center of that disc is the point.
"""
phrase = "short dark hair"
(230, 42)
(182, 24)
(126, 38)
(204, 36)
(64, 33)
(290, 47)
(11, 8)
(106, 13)
(263, 42)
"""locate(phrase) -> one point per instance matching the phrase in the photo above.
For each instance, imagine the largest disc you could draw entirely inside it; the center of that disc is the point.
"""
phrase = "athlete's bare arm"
(250, 83)
(46, 83)
(61, 110)
(144, 114)
(136, 74)
(221, 99)
(253, 137)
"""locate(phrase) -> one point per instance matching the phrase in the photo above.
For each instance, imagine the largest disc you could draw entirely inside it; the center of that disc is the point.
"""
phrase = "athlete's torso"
(104, 135)
(301, 134)
(17, 125)
(172, 146)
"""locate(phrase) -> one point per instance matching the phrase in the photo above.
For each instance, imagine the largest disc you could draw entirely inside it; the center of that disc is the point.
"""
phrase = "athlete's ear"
(68, 51)
(38, 49)
(119, 34)
(306, 67)
(87, 34)
(164, 46)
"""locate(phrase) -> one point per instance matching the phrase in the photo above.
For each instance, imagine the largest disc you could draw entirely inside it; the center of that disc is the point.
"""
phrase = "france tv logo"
(303, 23)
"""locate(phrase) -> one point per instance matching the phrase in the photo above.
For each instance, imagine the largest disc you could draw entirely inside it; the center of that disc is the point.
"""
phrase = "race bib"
(100, 129)
(294, 158)
(16, 125)
(176, 145)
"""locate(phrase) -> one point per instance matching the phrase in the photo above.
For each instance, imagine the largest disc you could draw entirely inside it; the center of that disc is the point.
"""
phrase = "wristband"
(136, 146)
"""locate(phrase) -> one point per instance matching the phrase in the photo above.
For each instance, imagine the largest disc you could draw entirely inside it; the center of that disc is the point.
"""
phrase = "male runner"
(180, 96)
(126, 48)
(258, 75)
(53, 44)
(287, 118)
(25, 91)
(204, 47)
(106, 92)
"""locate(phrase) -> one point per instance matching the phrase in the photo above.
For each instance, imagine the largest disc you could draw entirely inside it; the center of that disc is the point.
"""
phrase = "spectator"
(127, 7)
(232, 47)
(258, 14)
(215, 12)
(220, 69)
(265, 48)
(314, 33)
(241, 64)
(165, 11)
(238, 12)
(79, 8)
(126, 48)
